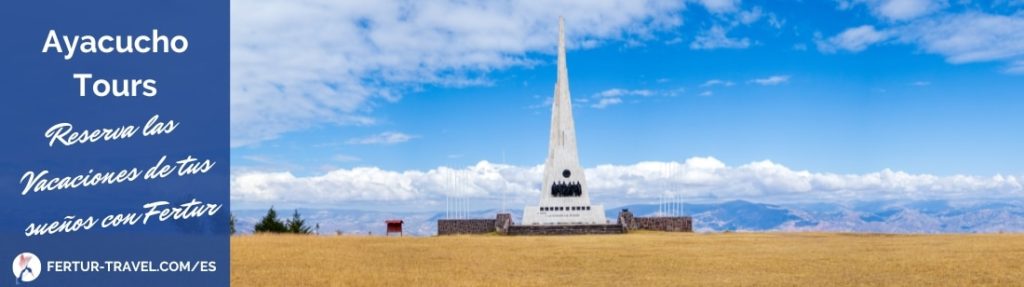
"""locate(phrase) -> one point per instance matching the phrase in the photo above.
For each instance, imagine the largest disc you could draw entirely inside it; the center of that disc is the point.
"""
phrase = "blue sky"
(928, 89)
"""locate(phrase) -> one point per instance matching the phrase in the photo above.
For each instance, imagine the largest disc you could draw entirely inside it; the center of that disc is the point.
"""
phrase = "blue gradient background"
(39, 91)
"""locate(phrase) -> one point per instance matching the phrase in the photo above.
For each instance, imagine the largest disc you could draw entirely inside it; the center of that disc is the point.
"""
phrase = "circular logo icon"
(26, 267)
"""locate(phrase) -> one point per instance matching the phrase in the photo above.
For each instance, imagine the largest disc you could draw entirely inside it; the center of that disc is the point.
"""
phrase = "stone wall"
(667, 223)
(670, 223)
(503, 222)
(465, 226)
(626, 219)
(565, 229)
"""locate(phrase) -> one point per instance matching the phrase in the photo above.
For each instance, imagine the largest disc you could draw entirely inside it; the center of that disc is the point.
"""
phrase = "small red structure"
(394, 226)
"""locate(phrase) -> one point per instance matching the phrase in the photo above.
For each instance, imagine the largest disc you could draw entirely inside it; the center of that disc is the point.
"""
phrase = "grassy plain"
(636, 259)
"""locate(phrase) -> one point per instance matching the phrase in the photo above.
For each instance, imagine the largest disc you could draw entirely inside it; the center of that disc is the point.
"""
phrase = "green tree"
(270, 223)
(298, 225)
(232, 223)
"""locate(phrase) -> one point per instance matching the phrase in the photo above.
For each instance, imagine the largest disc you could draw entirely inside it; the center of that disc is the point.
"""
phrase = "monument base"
(551, 215)
(581, 229)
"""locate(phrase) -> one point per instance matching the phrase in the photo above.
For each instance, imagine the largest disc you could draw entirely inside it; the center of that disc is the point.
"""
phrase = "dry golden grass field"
(636, 259)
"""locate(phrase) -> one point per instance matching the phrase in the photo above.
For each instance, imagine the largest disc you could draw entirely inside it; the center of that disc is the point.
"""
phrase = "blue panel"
(39, 92)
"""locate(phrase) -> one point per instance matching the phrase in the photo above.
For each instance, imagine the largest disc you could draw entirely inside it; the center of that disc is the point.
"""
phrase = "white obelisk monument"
(563, 195)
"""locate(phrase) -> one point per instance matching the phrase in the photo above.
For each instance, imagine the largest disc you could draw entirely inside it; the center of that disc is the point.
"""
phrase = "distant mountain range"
(878, 217)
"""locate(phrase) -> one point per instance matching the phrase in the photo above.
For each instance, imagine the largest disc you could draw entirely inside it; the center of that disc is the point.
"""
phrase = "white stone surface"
(563, 165)
(532, 215)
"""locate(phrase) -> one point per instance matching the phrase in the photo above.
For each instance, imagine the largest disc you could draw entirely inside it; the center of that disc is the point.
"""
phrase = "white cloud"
(346, 158)
(898, 10)
(750, 16)
(853, 39)
(707, 93)
(605, 102)
(612, 97)
(719, 6)
(375, 184)
(907, 9)
(1016, 67)
(716, 82)
(771, 81)
(715, 38)
(613, 93)
(543, 104)
(775, 21)
(301, 63)
(382, 138)
(696, 178)
(968, 37)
